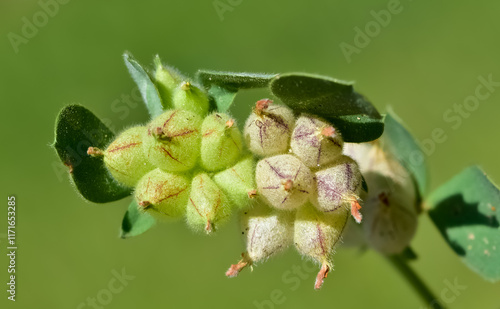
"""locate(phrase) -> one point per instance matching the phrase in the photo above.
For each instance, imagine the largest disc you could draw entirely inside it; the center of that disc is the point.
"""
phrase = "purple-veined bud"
(266, 231)
(315, 141)
(284, 181)
(316, 234)
(268, 129)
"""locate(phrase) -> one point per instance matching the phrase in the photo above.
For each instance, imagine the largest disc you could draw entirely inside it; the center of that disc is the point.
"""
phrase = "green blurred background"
(426, 59)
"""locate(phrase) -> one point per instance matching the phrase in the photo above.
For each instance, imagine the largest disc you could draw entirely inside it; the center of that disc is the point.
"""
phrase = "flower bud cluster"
(185, 162)
(306, 187)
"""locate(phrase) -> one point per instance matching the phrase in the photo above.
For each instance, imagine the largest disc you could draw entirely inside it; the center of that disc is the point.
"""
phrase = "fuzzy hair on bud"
(268, 129)
(238, 182)
(208, 206)
(167, 79)
(390, 214)
(221, 142)
(316, 235)
(315, 141)
(267, 232)
(390, 206)
(124, 157)
(284, 181)
(172, 140)
(338, 187)
(188, 96)
(163, 195)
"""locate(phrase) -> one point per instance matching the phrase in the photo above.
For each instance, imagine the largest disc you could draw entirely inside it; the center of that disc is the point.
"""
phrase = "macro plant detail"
(313, 165)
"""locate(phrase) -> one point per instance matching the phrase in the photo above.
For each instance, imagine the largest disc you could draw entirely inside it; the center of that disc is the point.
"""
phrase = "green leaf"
(135, 222)
(403, 145)
(336, 101)
(146, 86)
(76, 130)
(223, 86)
(466, 210)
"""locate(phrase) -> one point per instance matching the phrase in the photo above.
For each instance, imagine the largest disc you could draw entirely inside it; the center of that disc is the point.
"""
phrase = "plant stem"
(416, 282)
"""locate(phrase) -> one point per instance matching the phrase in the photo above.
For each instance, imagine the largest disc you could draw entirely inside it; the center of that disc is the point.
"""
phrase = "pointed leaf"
(466, 210)
(135, 222)
(403, 145)
(223, 86)
(76, 130)
(336, 101)
(146, 86)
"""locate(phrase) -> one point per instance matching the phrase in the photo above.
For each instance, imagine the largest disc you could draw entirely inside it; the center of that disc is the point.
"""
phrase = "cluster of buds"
(185, 162)
(306, 187)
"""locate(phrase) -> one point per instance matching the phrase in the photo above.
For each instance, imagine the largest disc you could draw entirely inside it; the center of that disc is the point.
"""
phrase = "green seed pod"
(163, 195)
(267, 232)
(315, 141)
(284, 181)
(208, 206)
(172, 140)
(268, 129)
(220, 143)
(166, 79)
(316, 234)
(124, 157)
(191, 98)
(338, 187)
(238, 182)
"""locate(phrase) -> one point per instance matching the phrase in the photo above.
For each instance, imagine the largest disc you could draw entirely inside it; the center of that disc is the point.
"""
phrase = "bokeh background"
(425, 60)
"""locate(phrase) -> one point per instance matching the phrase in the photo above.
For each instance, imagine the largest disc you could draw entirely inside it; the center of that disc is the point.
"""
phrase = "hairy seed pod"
(315, 141)
(338, 187)
(267, 232)
(208, 206)
(191, 98)
(124, 157)
(238, 182)
(162, 194)
(167, 79)
(316, 234)
(391, 203)
(172, 140)
(390, 214)
(268, 129)
(220, 143)
(284, 181)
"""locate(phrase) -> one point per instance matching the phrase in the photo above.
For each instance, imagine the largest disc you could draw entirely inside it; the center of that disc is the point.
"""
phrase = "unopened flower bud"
(238, 182)
(316, 234)
(189, 97)
(172, 140)
(208, 206)
(390, 212)
(267, 232)
(284, 181)
(338, 187)
(163, 194)
(220, 143)
(268, 129)
(124, 157)
(167, 79)
(315, 141)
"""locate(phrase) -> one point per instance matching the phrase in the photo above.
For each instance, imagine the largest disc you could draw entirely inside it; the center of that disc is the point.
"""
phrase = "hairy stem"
(416, 282)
